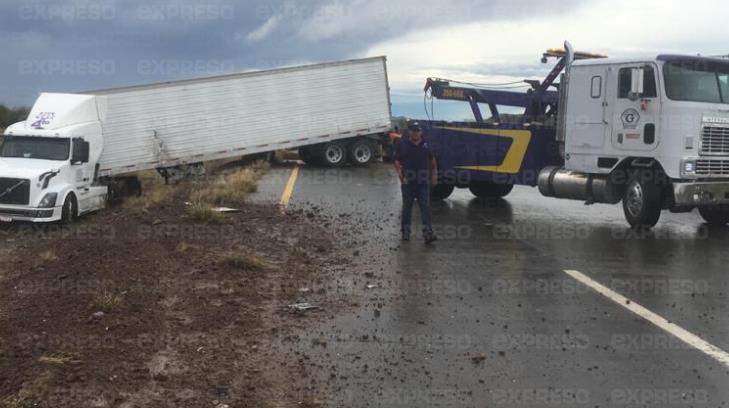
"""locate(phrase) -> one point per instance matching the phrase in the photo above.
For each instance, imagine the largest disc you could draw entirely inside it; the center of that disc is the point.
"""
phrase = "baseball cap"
(414, 126)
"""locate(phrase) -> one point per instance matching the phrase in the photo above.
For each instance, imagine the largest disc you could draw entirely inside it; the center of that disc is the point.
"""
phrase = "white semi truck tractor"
(76, 152)
(652, 132)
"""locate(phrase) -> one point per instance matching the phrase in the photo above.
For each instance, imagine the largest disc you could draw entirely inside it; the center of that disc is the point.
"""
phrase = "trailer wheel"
(490, 190)
(335, 154)
(716, 215)
(362, 152)
(69, 212)
(642, 203)
(441, 191)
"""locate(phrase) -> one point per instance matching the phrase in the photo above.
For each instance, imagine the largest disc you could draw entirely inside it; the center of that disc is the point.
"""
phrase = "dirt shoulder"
(146, 307)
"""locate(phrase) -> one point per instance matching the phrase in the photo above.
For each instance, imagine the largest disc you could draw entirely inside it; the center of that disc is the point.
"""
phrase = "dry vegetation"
(200, 211)
(224, 186)
(38, 389)
(230, 188)
(244, 259)
(183, 247)
(106, 302)
(154, 192)
(59, 359)
(48, 256)
(42, 387)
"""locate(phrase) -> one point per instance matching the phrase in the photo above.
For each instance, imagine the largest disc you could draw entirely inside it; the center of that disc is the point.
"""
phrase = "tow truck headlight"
(688, 167)
(48, 201)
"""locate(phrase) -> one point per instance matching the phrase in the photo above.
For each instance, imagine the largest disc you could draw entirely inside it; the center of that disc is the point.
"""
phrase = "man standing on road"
(416, 167)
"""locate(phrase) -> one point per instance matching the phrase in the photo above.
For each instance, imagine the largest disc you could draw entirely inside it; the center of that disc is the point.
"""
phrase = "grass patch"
(106, 301)
(231, 188)
(201, 211)
(155, 192)
(183, 247)
(48, 256)
(311, 402)
(33, 393)
(156, 197)
(59, 359)
(261, 167)
(245, 180)
(243, 259)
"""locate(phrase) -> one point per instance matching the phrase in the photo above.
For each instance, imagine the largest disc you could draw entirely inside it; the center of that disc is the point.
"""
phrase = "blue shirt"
(415, 160)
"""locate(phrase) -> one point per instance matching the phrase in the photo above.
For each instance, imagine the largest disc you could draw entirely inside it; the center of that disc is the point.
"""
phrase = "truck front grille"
(712, 167)
(715, 140)
(14, 191)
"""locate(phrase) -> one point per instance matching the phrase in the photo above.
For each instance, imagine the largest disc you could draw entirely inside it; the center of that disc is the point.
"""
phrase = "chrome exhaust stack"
(558, 182)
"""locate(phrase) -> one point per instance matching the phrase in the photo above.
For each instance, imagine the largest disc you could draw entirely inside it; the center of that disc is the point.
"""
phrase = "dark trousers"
(421, 193)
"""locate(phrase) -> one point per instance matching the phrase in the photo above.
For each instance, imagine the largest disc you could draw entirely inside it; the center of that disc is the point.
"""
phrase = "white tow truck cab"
(652, 132)
(48, 162)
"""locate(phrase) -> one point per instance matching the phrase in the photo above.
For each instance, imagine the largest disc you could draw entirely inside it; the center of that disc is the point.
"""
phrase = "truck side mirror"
(80, 152)
(636, 83)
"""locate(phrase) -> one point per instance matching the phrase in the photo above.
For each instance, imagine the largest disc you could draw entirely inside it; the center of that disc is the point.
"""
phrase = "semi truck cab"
(665, 117)
(48, 162)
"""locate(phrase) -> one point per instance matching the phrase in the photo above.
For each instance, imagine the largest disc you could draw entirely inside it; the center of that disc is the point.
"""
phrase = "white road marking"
(682, 334)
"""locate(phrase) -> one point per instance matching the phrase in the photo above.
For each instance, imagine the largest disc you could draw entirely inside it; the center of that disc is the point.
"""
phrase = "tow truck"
(652, 133)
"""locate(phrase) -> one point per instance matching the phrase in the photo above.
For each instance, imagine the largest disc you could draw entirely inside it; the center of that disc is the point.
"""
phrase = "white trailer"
(60, 162)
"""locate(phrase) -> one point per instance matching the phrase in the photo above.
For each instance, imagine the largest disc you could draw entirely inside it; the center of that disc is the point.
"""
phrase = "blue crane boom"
(539, 102)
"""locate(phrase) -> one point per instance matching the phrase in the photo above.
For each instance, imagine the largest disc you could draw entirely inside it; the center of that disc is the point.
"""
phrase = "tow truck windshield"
(697, 81)
(44, 148)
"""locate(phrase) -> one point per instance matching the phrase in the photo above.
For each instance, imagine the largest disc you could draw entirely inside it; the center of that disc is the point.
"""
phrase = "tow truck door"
(587, 124)
(634, 121)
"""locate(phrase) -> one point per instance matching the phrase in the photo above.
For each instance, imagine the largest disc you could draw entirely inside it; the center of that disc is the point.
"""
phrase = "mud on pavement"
(148, 308)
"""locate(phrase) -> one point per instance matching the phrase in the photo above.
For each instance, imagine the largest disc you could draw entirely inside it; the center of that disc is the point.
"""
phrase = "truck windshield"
(45, 148)
(697, 80)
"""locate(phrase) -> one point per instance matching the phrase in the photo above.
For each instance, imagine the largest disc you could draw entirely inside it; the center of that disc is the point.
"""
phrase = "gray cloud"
(88, 44)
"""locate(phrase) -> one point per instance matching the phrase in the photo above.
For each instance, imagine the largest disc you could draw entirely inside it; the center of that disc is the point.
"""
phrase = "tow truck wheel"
(441, 191)
(642, 203)
(361, 153)
(490, 190)
(335, 154)
(715, 215)
(69, 213)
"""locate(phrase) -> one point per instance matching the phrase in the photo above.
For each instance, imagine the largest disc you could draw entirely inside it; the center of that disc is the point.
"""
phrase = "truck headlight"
(48, 201)
(688, 167)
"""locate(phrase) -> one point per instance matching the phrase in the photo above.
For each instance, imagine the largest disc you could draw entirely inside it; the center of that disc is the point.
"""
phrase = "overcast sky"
(76, 45)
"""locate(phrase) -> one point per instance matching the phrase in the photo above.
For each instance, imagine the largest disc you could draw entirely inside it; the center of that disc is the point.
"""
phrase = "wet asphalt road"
(488, 318)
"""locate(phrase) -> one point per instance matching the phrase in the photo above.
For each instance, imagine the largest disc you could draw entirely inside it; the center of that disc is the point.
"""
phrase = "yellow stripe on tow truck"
(514, 157)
